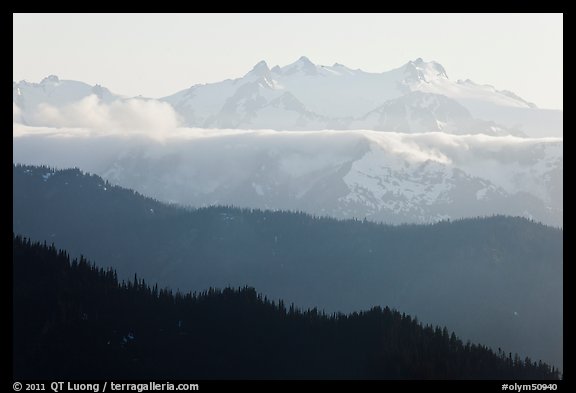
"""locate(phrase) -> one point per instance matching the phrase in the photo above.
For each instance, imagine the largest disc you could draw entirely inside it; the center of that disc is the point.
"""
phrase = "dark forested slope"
(77, 321)
(494, 280)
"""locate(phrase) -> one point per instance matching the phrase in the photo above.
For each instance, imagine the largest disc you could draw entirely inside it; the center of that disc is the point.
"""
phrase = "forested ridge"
(494, 280)
(76, 320)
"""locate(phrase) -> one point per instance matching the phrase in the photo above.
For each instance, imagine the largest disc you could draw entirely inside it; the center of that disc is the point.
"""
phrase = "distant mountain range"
(417, 97)
(406, 145)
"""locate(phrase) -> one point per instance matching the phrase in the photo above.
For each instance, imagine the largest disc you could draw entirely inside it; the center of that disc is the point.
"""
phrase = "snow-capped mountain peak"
(261, 72)
(260, 69)
(328, 97)
(305, 62)
(419, 70)
(302, 66)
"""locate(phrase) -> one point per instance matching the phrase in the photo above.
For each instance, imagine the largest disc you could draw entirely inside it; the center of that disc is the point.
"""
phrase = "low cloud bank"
(135, 115)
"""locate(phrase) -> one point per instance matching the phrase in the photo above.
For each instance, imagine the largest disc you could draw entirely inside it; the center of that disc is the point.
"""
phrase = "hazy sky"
(158, 54)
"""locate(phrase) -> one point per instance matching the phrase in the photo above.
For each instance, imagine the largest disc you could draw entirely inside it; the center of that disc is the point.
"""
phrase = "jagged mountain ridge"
(328, 97)
(306, 96)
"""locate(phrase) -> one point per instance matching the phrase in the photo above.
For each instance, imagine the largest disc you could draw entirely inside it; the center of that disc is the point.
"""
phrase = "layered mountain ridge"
(495, 280)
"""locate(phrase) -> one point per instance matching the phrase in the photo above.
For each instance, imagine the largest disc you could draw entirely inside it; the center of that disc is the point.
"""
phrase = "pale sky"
(155, 55)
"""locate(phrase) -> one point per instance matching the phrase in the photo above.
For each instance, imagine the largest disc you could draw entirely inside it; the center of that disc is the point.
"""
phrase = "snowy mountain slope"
(342, 98)
(28, 97)
(382, 176)
(430, 77)
(337, 91)
(416, 97)
(484, 102)
(533, 122)
(457, 177)
(331, 92)
(426, 112)
(487, 103)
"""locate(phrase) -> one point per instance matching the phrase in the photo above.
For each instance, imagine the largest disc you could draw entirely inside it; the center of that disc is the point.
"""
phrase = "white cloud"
(135, 115)
(124, 129)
